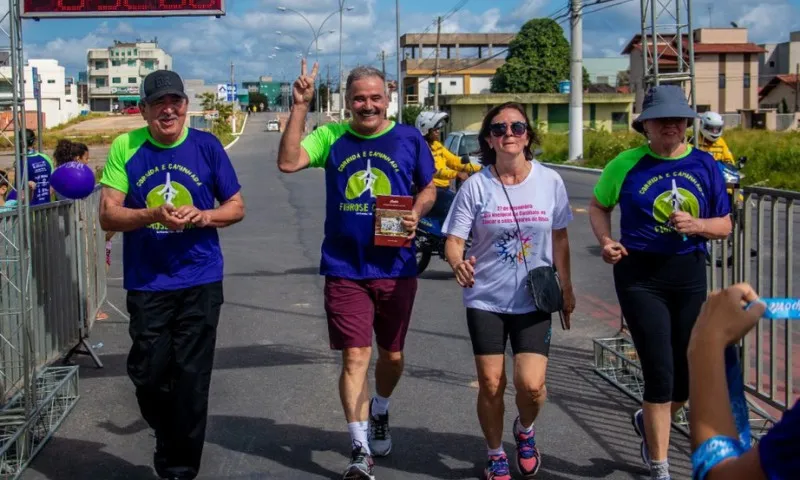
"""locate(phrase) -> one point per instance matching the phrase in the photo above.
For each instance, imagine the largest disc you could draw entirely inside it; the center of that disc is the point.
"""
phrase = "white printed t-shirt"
(541, 206)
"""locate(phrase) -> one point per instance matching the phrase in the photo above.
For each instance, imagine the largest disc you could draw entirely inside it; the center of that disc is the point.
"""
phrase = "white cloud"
(204, 47)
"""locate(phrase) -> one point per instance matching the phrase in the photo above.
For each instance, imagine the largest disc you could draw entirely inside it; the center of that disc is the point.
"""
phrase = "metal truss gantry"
(35, 400)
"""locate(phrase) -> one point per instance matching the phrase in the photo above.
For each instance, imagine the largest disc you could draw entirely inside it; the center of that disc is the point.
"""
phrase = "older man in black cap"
(160, 187)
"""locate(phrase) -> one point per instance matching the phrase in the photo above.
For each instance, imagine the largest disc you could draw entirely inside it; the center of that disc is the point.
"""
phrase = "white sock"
(495, 451)
(524, 429)
(358, 434)
(380, 405)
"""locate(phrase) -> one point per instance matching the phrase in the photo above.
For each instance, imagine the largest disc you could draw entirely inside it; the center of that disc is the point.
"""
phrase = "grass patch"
(773, 157)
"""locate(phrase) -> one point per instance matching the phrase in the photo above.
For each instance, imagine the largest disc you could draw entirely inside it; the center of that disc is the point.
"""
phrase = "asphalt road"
(275, 411)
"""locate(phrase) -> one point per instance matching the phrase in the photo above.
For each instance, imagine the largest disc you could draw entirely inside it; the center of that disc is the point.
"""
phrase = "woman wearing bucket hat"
(672, 199)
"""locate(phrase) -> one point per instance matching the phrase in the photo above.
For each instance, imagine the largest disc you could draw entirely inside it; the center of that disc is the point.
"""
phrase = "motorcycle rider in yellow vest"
(711, 141)
(448, 165)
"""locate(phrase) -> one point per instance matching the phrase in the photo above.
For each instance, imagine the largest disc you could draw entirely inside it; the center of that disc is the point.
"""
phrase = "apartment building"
(58, 93)
(467, 63)
(779, 59)
(115, 73)
(726, 68)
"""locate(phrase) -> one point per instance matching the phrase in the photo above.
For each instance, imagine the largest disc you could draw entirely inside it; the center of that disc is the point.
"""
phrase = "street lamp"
(316, 33)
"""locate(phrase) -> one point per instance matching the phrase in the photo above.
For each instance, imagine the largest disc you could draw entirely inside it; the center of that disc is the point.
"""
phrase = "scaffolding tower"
(666, 25)
(35, 400)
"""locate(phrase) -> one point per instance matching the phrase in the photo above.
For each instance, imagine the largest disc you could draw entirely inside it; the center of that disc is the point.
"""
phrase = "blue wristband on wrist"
(711, 452)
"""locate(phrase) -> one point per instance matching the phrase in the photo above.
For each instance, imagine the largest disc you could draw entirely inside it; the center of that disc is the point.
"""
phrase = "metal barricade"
(766, 258)
(759, 251)
(65, 287)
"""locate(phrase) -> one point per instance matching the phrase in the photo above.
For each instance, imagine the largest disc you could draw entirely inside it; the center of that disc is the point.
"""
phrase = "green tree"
(538, 59)
(222, 125)
(410, 113)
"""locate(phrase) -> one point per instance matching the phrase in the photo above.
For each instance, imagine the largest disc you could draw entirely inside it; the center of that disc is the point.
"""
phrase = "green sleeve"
(607, 189)
(318, 143)
(114, 173)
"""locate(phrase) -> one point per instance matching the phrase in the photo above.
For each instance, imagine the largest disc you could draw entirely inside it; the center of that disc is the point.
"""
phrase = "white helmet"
(711, 125)
(429, 120)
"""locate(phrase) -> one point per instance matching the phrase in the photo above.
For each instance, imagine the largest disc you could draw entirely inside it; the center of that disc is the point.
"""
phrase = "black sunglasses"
(518, 129)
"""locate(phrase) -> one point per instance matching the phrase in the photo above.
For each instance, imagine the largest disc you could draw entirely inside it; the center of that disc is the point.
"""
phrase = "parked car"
(273, 126)
(464, 143)
(130, 110)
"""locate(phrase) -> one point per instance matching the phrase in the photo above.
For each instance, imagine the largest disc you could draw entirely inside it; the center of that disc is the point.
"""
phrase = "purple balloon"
(73, 180)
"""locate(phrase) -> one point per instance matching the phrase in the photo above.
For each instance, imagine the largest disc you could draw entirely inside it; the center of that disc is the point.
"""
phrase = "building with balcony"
(115, 73)
(467, 63)
(726, 68)
(58, 93)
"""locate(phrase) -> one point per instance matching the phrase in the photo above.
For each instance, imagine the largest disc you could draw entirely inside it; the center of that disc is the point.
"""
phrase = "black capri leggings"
(660, 297)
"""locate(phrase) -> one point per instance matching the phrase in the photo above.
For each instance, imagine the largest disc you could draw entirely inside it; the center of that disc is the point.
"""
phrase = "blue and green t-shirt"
(195, 171)
(649, 188)
(357, 168)
(40, 168)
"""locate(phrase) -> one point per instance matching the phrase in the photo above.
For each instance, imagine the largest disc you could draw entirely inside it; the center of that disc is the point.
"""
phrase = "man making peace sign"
(366, 286)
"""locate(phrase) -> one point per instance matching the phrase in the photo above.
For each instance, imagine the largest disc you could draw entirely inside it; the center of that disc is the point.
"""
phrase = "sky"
(204, 47)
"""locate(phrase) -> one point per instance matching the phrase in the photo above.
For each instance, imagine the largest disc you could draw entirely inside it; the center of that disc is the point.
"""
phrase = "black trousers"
(174, 335)
(661, 297)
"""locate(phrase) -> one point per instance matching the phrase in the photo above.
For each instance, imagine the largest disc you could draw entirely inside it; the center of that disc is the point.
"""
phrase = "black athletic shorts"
(660, 297)
(489, 332)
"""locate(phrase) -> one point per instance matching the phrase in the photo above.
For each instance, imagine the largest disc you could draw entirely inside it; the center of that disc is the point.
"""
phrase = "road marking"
(579, 210)
(302, 305)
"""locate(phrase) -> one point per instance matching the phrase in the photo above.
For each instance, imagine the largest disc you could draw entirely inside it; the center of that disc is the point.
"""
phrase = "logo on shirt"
(673, 200)
(511, 248)
(168, 193)
(370, 180)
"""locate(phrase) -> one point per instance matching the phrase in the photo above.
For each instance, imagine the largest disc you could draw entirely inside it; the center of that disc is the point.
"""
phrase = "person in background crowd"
(517, 211)
(673, 200)
(40, 167)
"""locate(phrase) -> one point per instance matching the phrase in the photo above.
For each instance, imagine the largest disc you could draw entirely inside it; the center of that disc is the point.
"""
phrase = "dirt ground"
(112, 123)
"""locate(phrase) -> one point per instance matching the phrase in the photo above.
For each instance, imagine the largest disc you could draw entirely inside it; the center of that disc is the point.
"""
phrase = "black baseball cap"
(160, 83)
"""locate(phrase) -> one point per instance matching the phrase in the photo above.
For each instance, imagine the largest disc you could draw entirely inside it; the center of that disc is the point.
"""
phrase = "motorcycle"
(430, 239)
(733, 177)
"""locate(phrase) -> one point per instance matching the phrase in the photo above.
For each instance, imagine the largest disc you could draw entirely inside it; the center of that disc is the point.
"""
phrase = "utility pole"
(383, 62)
(576, 83)
(797, 87)
(436, 69)
(400, 88)
(233, 114)
(328, 90)
(341, 66)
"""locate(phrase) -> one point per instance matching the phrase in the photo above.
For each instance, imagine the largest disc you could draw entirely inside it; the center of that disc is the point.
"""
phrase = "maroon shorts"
(357, 307)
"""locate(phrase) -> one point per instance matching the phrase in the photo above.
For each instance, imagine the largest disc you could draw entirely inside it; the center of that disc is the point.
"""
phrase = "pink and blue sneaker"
(497, 468)
(528, 457)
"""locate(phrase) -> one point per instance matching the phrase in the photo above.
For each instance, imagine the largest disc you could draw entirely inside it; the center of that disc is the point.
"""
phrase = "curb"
(574, 168)
(238, 135)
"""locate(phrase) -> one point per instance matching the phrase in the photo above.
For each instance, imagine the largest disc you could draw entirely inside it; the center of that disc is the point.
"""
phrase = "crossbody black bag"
(542, 282)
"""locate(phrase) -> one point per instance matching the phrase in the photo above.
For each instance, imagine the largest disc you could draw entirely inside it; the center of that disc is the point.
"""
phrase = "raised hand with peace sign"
(303, 90)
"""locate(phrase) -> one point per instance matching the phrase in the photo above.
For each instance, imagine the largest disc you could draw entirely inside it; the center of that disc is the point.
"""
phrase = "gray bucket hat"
(664, 101)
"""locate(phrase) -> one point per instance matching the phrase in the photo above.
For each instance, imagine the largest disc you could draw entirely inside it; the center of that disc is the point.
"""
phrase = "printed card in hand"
(389, 213)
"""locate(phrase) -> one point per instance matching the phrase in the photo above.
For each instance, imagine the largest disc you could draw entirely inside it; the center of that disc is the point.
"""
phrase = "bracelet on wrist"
(711, 453)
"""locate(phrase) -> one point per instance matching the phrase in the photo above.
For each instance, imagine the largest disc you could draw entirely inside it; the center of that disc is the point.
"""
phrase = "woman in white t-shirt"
(505, 244)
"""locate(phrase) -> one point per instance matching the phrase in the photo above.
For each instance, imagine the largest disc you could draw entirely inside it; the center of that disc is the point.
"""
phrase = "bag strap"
(519, 230)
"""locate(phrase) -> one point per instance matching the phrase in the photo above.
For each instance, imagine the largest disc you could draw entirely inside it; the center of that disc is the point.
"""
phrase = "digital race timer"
(120, 8)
